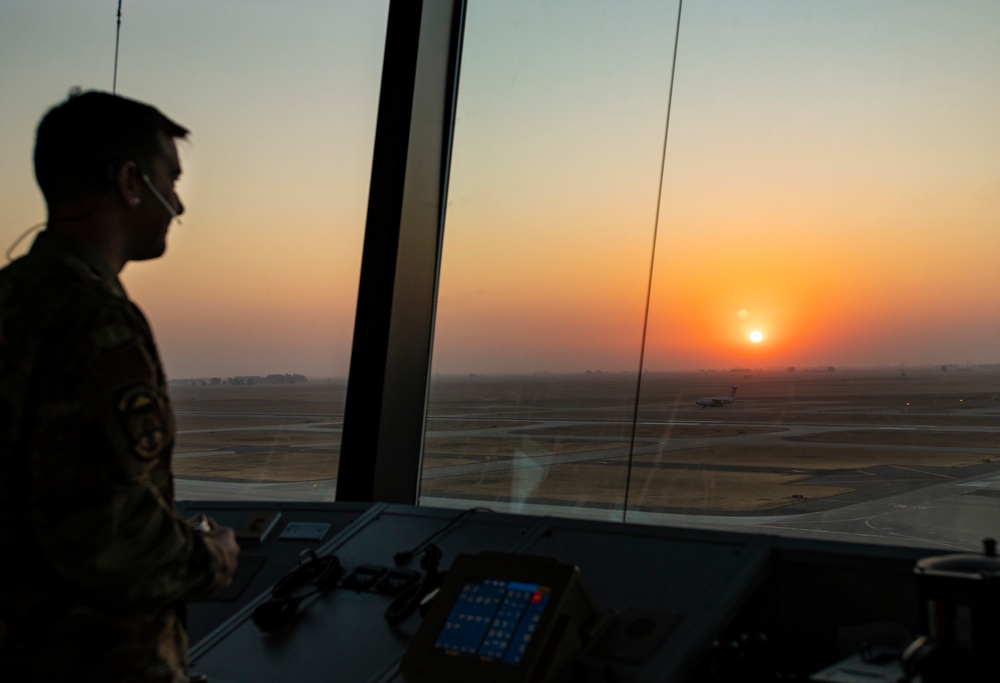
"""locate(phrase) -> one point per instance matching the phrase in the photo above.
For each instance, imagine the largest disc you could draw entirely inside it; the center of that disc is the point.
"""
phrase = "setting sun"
(756, 337)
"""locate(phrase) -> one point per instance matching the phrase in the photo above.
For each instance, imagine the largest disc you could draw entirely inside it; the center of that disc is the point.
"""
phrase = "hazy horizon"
(898, 369)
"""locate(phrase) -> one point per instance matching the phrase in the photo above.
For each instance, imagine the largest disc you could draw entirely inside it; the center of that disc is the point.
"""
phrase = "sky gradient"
(832, 170)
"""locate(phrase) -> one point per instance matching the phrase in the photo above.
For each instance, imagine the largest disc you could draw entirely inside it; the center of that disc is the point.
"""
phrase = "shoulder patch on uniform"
(144, 415)
(126, 365)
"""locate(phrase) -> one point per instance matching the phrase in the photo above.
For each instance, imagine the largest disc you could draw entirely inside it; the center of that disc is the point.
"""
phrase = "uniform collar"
(79, 254)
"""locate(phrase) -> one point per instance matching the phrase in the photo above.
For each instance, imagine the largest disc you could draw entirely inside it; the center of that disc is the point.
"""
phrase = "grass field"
(570, 440)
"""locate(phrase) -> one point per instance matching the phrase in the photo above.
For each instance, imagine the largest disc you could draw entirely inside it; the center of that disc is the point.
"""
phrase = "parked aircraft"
(717, 401)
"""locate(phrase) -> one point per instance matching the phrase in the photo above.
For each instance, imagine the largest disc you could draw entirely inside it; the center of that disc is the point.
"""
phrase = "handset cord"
(414, 597)
(405, 556)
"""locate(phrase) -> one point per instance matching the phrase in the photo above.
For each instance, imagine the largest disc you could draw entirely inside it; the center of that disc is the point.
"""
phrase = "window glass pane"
(551, 210)
(831, 185)
(253, 304)
(829, 248)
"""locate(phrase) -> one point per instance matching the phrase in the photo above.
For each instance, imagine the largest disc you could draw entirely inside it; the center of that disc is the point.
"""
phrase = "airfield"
(889, 455)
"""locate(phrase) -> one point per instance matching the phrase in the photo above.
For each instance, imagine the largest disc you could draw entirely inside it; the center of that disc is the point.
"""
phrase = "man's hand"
(221, 541)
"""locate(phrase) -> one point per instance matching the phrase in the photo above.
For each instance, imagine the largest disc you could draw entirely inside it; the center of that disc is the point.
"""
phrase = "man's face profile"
(152, 216)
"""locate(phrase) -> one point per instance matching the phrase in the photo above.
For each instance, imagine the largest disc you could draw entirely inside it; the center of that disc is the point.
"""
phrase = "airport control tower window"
(253, 303)
(820, 351)
(775, 309)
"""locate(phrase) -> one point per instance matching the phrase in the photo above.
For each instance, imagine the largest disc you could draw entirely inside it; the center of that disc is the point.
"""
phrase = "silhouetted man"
(96, 563)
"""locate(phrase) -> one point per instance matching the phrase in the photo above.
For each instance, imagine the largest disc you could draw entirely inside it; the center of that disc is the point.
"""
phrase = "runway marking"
(934, 474)
(908, 537)
(981, 483)
(856, 534)
(199, 454)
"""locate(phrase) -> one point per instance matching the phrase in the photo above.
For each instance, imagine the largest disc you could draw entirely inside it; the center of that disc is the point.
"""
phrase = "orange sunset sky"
(832, 171)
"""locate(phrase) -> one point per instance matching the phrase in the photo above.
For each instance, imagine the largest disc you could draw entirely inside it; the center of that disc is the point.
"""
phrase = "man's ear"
(128, 183)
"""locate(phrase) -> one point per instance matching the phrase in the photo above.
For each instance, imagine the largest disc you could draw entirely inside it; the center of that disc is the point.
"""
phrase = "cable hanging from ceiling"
(652, 261)
(118, 35)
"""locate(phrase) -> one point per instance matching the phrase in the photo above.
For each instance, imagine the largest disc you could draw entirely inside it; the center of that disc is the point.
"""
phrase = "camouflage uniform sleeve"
(102, 491)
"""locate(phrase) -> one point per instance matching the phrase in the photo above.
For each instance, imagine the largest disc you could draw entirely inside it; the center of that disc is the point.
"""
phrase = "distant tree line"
(267, 379)
(249, 380)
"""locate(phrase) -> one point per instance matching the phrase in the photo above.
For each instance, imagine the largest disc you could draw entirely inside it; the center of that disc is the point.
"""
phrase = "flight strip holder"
(503, 618)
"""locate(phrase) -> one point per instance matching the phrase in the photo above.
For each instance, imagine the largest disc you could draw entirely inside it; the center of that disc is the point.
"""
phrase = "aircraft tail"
(732, 392)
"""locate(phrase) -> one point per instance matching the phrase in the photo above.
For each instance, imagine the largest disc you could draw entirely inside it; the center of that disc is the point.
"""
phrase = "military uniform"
(96, 563)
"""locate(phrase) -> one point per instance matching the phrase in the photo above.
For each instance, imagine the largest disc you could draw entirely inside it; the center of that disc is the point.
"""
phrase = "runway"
(926, 506)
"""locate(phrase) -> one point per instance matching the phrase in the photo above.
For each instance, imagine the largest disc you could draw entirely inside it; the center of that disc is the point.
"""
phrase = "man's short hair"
(81, 142)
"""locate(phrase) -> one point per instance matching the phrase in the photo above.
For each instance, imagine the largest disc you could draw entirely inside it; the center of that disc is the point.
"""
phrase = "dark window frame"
(385, 411)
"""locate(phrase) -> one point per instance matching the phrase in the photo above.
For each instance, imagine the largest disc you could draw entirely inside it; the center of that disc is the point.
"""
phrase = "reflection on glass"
(826, 245)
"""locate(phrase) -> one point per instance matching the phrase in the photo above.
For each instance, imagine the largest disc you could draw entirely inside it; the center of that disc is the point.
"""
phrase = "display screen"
(493, 620)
